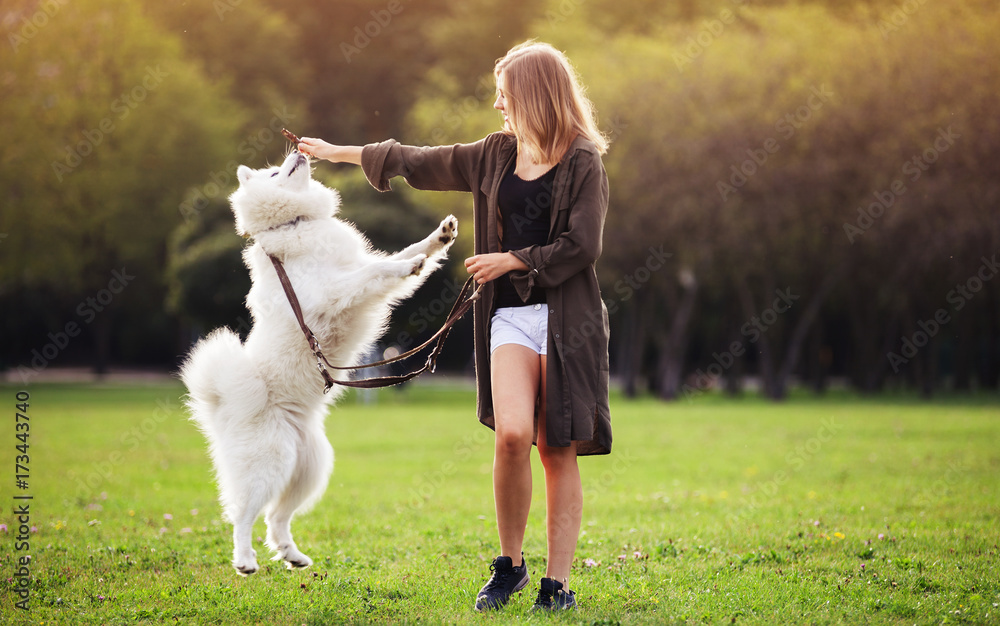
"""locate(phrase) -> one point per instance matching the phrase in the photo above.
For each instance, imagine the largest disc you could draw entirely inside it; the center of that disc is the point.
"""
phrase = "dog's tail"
(212, 374)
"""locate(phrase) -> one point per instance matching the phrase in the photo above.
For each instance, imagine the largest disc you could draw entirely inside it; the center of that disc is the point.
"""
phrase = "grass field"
(833, 510)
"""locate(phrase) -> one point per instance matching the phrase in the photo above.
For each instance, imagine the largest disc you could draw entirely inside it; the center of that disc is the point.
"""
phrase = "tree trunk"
(817, 361)
(766, 357)
(734, 375)
(875, 370)
(102, 343)
(965, 343)
(801, 330)
(988, 372)
(671, 366)
(630, 348)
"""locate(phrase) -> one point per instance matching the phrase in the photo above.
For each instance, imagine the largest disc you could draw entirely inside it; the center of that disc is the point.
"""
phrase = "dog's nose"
(297, 159)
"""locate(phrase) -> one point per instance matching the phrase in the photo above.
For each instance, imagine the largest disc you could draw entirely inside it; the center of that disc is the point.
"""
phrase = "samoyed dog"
(260, 403)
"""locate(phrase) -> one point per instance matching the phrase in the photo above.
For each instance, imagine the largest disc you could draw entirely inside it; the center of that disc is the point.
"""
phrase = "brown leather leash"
(461, 306)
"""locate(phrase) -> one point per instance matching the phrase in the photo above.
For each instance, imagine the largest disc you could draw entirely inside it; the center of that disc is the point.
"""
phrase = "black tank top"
(525, 207)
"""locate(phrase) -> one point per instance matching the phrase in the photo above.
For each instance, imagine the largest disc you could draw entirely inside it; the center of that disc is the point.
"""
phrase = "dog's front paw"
(447, 232)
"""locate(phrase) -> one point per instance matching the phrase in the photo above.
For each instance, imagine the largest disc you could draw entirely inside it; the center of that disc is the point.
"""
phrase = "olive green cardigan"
(577, 365)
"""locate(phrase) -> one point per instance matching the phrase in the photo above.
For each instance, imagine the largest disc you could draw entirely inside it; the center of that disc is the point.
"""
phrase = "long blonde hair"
(545, 102)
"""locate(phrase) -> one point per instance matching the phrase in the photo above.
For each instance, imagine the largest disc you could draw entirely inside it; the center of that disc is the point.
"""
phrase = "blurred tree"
(374, 45)
(105, 124)
(207, 281)
(840, 151)
(749, 152)
(363, 60)
(253, 52)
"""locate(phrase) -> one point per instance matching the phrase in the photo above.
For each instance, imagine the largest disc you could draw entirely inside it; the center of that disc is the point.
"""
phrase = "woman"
(541, 329)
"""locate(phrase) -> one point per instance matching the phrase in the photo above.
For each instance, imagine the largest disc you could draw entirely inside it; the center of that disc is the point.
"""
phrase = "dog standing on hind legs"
(260, 403)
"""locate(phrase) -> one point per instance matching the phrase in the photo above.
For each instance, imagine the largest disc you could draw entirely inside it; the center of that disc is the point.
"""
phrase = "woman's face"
(501, 103)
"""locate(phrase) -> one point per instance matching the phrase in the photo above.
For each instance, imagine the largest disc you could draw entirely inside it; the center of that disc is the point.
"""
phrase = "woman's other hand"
(487, 267)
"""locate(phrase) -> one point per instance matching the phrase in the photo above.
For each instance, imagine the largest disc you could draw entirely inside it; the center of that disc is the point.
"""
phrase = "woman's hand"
(487, 267)
(335, 154)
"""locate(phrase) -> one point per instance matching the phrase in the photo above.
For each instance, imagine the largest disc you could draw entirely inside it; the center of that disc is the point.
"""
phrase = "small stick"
(290, 136)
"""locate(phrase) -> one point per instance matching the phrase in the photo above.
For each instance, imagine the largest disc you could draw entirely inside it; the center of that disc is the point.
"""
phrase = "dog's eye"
(274, 174)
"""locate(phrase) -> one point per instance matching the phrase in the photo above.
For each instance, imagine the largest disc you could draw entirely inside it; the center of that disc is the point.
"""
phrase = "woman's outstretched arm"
(335, 154)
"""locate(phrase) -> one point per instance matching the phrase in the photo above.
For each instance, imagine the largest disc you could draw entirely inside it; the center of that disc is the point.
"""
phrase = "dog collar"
(298, 219)
(293, 222)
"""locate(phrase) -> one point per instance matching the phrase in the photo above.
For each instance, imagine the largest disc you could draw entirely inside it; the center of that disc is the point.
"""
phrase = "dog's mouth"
(298, 160)
(293, 162)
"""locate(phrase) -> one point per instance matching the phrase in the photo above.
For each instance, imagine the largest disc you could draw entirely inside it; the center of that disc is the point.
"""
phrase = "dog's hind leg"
(254, 476)
(244, 556)
(314, 463)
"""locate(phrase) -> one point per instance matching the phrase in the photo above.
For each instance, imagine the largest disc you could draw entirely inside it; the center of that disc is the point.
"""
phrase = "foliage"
(208, 281)
(771, 145)
(248, 49)
(840, 510)
(758, 147)
(99, 144)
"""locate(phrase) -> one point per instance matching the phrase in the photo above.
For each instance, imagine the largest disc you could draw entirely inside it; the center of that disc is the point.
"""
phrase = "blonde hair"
(545, 102)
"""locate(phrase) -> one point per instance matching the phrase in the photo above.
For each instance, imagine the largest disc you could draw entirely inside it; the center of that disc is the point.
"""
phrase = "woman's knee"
(514, 441)
(557, 459)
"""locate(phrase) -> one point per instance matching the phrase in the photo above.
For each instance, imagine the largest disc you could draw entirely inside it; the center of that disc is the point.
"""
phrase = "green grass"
(834, 510)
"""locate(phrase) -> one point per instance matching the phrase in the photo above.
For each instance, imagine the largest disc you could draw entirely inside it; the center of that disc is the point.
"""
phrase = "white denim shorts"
(526, 326)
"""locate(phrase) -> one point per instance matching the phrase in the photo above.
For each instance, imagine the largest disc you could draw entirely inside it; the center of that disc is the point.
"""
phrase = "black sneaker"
(506, 579)
(551, 597)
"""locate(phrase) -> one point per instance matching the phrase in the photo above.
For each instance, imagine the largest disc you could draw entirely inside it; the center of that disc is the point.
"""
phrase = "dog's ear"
(243, 173)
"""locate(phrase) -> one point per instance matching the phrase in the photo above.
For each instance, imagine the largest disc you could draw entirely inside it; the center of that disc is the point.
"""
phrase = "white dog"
(261, 404)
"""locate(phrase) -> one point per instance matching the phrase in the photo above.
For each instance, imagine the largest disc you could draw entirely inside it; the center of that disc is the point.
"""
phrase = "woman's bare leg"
(563, 499)
(515, 372)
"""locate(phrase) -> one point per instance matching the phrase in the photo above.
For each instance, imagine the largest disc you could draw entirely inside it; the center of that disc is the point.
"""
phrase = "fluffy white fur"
(260, 403)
